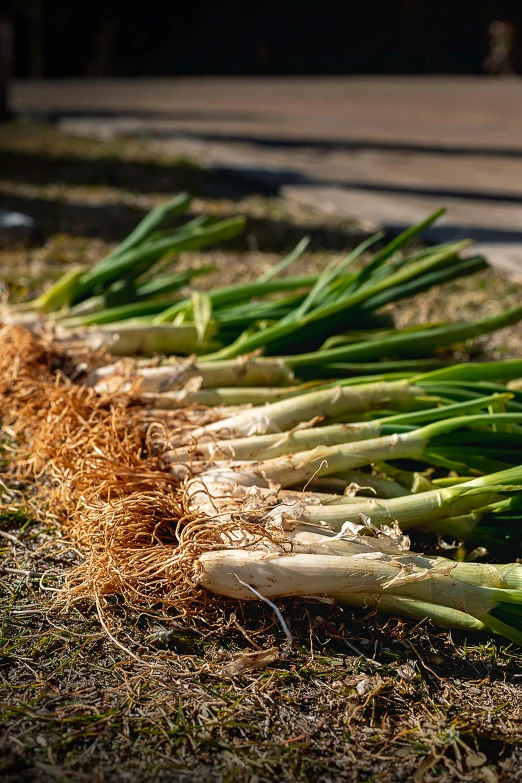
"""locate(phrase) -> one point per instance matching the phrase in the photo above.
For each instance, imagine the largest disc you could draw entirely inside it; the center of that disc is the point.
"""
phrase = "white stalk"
(236, 479)
(212, 397)
(172, 375)
(131, 339)
(349, 544)
(368, 575)
(275, 444)
(327, 404)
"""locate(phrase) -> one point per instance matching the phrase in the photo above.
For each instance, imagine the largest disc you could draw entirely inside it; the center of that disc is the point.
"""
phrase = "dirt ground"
(359, 698)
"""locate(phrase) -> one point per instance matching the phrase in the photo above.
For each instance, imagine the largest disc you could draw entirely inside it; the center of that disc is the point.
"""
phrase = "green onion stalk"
(172, 400)
(453, 511)
(410, 443)
(168, 373)
(320, 305)
(270, 324)
(87, 313)
(326, 404)
(62, 293)
(214, 487)
(118, 302)
(407, 344)
(120, 293)
(276, 444)
(139, 260)
(339, 400)
(128, 339)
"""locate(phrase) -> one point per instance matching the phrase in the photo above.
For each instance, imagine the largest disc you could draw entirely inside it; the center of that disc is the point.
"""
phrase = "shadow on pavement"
(203, 115)
(219, 181)
(272, 180)
(454, 233)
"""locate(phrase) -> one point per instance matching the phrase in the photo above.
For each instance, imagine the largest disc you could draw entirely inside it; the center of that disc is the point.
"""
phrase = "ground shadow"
(113, 222)
(217, 180)
(111, 171)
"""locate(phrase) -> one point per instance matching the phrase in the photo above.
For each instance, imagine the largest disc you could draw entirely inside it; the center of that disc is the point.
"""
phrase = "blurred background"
(57, 38)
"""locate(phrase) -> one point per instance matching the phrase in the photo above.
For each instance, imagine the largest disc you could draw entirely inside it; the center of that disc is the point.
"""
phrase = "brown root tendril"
(94, 463)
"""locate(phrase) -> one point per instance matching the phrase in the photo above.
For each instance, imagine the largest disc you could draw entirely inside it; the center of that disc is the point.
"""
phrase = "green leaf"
(331, 273)
(285, 262)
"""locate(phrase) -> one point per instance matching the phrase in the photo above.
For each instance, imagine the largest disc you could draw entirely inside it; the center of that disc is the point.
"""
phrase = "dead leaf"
(368, 685)
(244, 662)
(408, 671)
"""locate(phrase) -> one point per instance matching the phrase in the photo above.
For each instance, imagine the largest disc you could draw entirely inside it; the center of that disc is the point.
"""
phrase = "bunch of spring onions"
(313, 545)
(435, 453)
(328, 325)
(462, 419)
(344, 432)
(123, 285)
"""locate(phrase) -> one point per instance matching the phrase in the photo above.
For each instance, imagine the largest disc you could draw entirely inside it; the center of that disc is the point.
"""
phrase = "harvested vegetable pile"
(226, 475)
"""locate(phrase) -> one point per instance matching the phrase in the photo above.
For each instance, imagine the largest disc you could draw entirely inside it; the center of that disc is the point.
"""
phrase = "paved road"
(387, 149)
